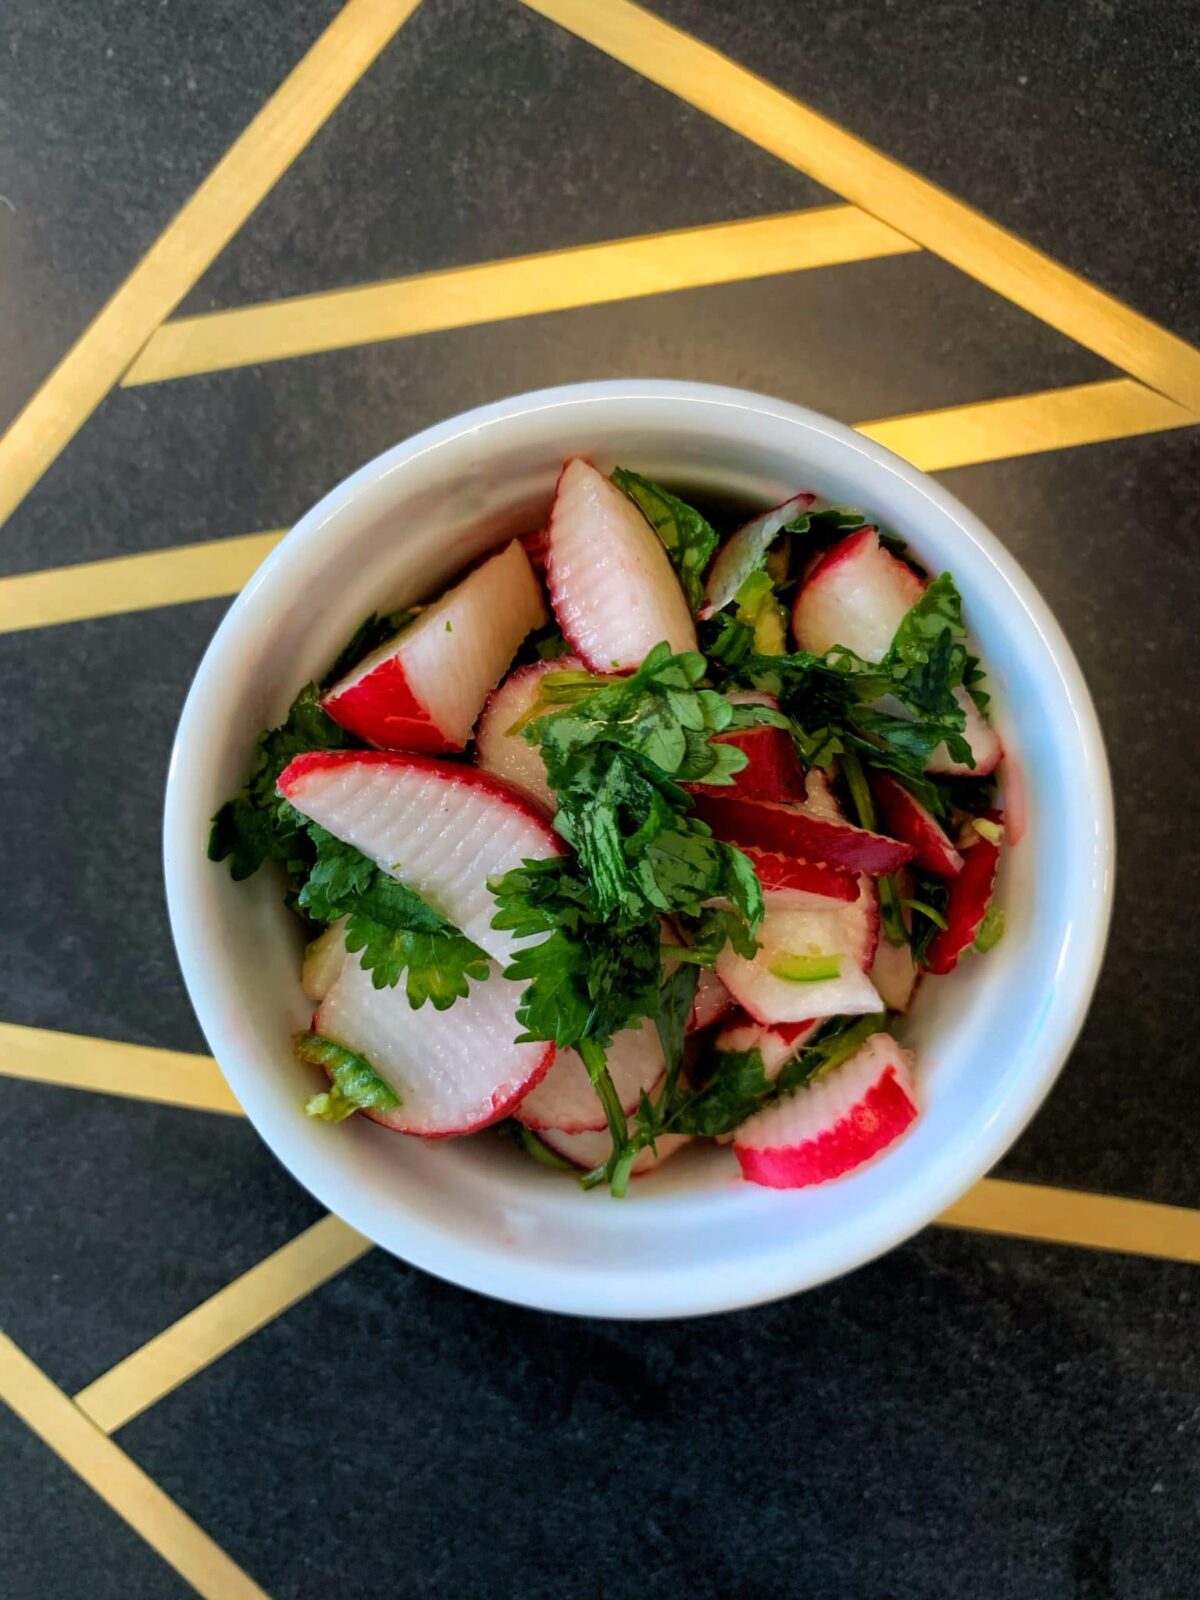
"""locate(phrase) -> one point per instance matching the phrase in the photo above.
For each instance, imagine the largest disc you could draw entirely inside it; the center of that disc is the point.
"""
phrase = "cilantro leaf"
(389, 926)
(688, 537)
(587, 976)
(258, 825)
(616, 754)
(354, 1083)
(738, 1086)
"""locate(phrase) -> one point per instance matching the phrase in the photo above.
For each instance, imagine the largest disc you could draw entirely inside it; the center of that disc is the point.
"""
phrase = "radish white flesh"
(857, 595)
(744, 551)
(506, 754)
(441, 827)
(980, 735)
(565, 1098)
(588, 1150)
(788, 941)
(324, 958)
(611, 582)
(894, 974)
(424, 689)
(775, 1045)
(454, 1070)
(710, 1002)
(834, 1125)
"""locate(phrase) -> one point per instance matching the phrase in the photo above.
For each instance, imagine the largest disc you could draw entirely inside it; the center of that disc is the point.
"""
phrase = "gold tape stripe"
(72, 1061)
(214, 1327)
(1026, 1211)
(957, 436)
(861, 174)
(133, 583)
(1055, 419)
(622, 269)
(119, 1482)
(236, 185)
(1069, 1216)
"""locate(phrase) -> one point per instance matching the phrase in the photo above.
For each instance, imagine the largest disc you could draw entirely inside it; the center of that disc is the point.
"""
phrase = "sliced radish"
(611, 583)
(808, 965)
(776, 1045)
(588, 1150)
(536, 545)
(565, 1099)
(710, 1002)
(772, 770)
(744, 551)
(454, 1070)
(796, 885)
(832, 1126)
(970, 896)
(324, 958)
(793, 830)
(506, 754)
(906, 818)
(424, 689)
(439, 826)
(894, 973)
(857, 595)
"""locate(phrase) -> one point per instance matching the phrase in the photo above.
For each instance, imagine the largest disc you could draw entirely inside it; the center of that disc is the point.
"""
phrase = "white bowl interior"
(692, 1238)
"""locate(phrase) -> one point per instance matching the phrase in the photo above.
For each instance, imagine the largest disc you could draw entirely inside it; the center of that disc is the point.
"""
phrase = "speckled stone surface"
(970, 1416)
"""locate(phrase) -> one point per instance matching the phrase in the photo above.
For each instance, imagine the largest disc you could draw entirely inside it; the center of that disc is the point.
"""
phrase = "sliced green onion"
(807, 969)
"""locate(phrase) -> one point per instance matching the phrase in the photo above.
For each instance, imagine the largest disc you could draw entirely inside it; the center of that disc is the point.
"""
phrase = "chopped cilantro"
(259, 825)
(688, 537)
(389, 923)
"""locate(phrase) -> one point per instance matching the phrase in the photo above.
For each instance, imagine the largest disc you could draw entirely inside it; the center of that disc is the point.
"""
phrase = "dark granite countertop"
(972, 1415)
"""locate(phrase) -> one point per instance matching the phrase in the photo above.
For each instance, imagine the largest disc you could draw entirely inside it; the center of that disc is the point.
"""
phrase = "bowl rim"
(686, 1290)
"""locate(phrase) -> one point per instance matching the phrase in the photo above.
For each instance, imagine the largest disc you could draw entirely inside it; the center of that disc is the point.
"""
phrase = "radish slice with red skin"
(776, 1045)
(903, 815)
(787, 935)
(796, 885)
(589, 1150)
(424, 689)
(456, 1070)
(565, 1099)
(970, 896)
(772, 770)
(507, 755)
(441, 827)
(829, 1128)
(857, 595)
(744, 551)
(710, 1002)
(611, 582)
(791, 830)
(536, 546)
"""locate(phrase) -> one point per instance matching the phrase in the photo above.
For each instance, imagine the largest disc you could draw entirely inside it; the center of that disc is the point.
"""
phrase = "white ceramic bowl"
(692, 1238)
